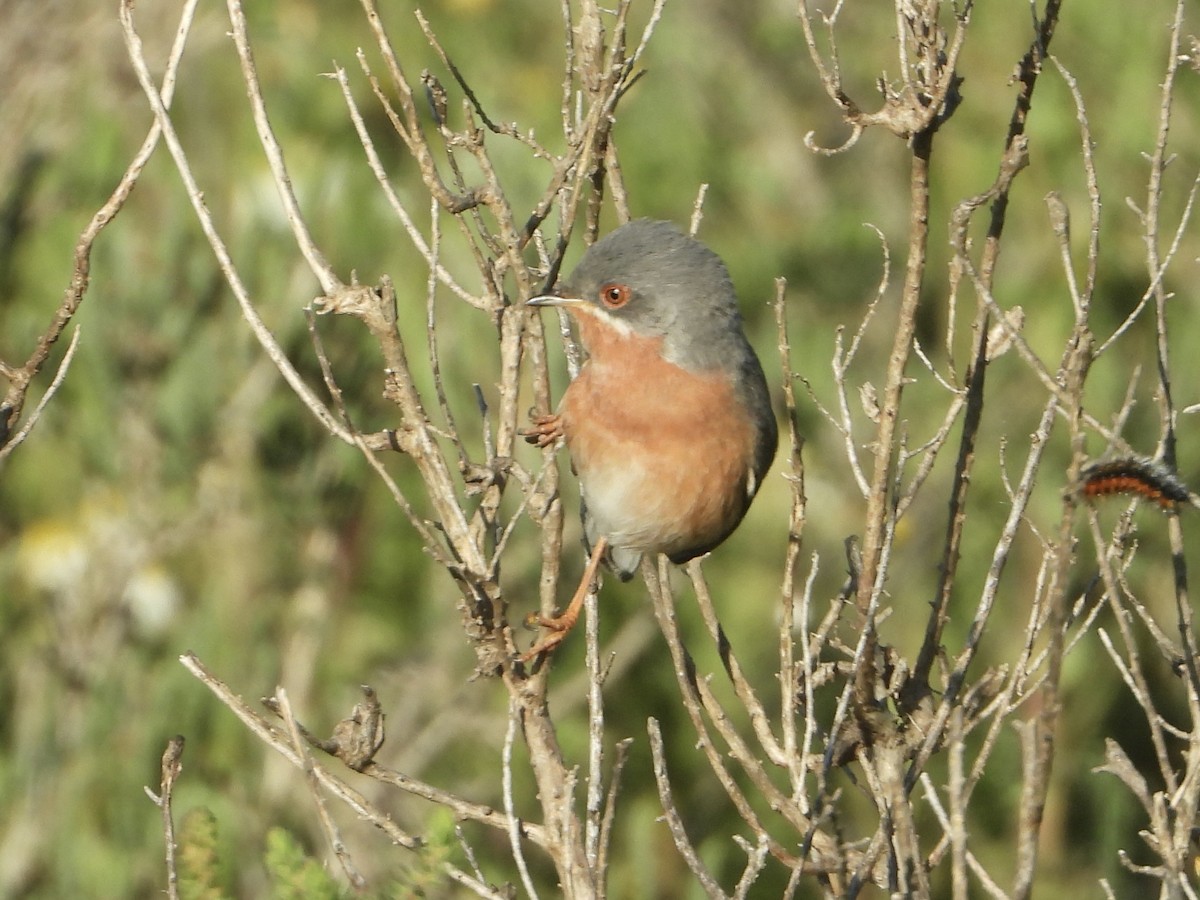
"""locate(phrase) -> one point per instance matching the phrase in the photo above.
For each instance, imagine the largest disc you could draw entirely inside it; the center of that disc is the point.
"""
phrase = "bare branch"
(172, 765)
(31, 420)
(21, 377)
(261, 332)
(514, 824)
(332, 834)
(321, 269)
(678, 833)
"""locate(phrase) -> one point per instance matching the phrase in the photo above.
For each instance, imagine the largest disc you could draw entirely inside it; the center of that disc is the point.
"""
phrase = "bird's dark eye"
(614, 296)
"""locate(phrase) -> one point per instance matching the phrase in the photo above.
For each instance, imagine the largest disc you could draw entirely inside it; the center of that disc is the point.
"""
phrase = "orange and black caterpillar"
(1149, 478)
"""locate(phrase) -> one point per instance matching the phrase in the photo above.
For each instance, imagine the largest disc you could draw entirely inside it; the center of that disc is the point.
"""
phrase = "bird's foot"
(559, 627)
(561, 624)
(543, 430)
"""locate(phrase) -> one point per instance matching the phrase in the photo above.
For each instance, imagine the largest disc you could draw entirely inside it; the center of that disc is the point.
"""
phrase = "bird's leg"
(560, 625)
(543, 430)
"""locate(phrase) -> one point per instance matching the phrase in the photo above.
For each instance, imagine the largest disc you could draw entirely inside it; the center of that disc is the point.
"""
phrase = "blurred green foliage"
(177, 497)
(198, 860)
(295, 875)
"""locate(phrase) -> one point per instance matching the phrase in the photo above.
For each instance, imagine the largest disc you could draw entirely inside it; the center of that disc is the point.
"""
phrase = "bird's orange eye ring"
(614, 296)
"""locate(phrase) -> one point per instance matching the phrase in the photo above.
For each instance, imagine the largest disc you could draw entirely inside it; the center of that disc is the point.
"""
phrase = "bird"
(668, 424)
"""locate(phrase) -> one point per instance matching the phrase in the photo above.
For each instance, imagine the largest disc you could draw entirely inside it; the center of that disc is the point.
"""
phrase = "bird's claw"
(534, 620)
(558, 627)
(543, 430)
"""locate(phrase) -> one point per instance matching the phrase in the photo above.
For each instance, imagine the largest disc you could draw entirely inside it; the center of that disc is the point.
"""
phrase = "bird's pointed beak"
(552, 300)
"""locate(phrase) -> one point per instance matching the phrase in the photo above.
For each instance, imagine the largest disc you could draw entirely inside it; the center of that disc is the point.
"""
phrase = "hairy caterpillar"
(1149, 478)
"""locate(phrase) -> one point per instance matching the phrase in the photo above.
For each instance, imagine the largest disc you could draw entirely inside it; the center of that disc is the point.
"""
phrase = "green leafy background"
(176, 496)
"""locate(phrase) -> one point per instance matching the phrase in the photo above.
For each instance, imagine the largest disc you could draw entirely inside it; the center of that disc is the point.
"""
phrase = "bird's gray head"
(651, 279)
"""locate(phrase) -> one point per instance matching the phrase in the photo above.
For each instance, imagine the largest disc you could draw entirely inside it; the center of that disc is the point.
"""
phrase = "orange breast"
(663, 455)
